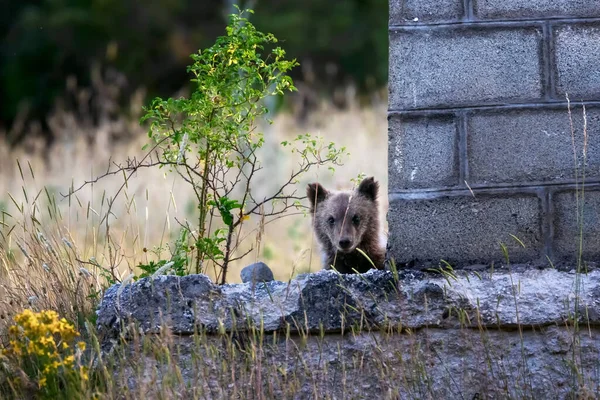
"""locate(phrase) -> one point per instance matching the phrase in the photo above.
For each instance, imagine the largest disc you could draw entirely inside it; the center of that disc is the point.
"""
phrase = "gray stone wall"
(480, 142)
(518, 334)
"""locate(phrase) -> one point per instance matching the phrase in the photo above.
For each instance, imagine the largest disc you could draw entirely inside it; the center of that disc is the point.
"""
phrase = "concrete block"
(531, 146)
(519, 9)
(449, 67)
(422, 153)
(465, 230)
(567, 226)
(577, 52)
(419, 11)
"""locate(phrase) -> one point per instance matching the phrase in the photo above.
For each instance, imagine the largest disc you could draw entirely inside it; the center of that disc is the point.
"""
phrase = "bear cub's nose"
(345, 243)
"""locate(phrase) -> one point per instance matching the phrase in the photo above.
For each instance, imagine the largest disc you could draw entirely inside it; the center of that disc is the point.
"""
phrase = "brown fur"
(345, 221)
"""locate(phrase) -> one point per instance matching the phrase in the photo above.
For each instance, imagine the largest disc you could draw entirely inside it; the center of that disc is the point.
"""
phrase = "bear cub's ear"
(369, 188)
(316, 193)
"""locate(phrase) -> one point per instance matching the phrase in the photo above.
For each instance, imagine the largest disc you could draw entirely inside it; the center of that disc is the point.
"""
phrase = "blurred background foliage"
(49, 45)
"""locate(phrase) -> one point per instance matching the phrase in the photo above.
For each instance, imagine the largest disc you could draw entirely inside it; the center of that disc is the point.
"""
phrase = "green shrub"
(211, 139)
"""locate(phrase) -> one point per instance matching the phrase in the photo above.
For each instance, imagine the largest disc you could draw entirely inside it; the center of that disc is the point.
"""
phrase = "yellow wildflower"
(49, 338)
(15, 346)
(68, 361)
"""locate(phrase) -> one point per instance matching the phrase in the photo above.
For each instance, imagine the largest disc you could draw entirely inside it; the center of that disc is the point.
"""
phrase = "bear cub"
(346, 221)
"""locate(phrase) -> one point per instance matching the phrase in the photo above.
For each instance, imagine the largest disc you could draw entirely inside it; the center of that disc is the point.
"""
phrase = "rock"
(257, 272)
(180, 302)
(331, 301)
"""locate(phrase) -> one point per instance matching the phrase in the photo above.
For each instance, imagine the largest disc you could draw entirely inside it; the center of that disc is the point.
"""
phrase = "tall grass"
(154, 203)
(579, 315)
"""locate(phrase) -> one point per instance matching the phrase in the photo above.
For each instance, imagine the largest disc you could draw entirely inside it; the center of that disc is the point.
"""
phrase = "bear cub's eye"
(331, 220)
(356, 220)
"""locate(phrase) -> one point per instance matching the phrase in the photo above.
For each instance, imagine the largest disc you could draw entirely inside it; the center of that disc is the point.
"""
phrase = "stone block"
(419, 11)
(464, 230)
(577, 52)
(530, 146)
(422, 152)
(455, 66)
(519, 9)
(567, 226)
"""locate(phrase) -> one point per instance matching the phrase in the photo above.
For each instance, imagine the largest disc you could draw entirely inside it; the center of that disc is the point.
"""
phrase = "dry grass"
(147, 213)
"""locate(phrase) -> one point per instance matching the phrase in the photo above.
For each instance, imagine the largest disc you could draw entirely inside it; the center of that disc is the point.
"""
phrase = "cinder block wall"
(480, 141)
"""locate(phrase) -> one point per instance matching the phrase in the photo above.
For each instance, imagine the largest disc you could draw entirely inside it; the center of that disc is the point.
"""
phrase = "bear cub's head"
(343, 219)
